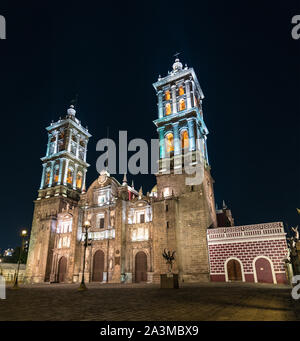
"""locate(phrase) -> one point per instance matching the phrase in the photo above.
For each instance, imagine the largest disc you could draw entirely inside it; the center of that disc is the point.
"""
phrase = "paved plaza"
(133, 302)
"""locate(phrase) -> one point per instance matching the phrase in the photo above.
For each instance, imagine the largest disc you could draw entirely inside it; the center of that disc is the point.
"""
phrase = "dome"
(177, 65)
(71, 111)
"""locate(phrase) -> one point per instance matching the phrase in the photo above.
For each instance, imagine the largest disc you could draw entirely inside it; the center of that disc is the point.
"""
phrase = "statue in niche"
(112, 218)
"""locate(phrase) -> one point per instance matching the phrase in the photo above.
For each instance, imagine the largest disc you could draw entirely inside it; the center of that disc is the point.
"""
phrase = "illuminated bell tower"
(180, 124)
(62, 182)
(184, 183)
(65, 166)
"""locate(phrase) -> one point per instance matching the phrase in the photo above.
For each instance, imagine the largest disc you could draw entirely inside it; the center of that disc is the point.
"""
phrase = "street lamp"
(23, 236)
(86, 226)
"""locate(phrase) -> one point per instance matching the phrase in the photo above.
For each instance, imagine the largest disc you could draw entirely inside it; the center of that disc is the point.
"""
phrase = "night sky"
(110, 54)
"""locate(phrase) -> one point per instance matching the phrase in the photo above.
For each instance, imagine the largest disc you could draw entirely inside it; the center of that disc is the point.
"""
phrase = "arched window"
(48, 172)
(168, 109)
(181, 104)
(79, 180)
(169, 143)
(70, 176)
(184, 140)
(180, 91)
(56, 173)
(167, 95)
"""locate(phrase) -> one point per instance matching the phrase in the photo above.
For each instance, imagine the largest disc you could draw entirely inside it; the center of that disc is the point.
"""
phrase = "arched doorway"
(263, 270)
(62, 269)
(140, 267)
(234, 270)
(98, 266)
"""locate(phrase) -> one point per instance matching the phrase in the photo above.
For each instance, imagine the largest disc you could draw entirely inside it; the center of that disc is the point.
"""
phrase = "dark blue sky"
(110, 54)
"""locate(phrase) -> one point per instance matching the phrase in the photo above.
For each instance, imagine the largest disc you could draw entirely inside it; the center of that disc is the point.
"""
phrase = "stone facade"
(128, 231)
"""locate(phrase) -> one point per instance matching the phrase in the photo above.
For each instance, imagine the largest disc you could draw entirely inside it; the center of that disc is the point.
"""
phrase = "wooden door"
(140, 267)
(263, 271)
(62, 269)
(98, 266)
(234, 270)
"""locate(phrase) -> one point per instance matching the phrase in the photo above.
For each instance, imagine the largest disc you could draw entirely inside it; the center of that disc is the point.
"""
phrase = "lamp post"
(86, 227)
(23, 235)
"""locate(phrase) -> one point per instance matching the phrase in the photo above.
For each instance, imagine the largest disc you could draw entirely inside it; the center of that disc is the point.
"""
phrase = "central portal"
(140, 267)
(98, 266)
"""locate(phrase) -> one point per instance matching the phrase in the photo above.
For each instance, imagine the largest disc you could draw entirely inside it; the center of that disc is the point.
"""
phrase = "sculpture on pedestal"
(169, 257)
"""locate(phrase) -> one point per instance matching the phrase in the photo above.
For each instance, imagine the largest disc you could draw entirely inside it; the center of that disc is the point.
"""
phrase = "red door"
(140, 267)
(62, 269)
(98, 266)
(263, 271)
(234, 270)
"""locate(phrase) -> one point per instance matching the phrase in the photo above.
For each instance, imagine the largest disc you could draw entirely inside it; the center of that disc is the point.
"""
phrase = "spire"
(141, 192)
(132, 184)
(124, 180)
(224, 205)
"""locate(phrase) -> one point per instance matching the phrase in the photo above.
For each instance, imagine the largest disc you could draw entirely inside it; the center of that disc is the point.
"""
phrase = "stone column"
(43, 176)
(191, 134)
(85, 151)
(160, 104)
(60, 170)
(51, 174)
(162, 147)
(174, 99)
(194, 96)
(55, 150)
(66, 172)
(77, 146)
(69, 141)
(83, 180)
(176, 138)
(75, 176)
(48, 145)
(206, 153)
(188, 94)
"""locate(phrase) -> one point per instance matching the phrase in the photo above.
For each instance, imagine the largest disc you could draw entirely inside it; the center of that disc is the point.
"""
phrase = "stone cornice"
(184, 114)
(71, 122)
(176, 76)
(66, 155)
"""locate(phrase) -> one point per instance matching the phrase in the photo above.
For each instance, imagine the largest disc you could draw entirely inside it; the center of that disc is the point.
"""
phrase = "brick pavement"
(133, 302)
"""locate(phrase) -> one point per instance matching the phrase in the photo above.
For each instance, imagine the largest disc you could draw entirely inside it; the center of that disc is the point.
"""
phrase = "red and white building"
(251, 253)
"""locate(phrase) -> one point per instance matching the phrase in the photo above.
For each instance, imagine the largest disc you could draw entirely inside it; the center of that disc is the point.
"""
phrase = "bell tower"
(180, 124)
(62, 182)
(65, 166)
(184, 183)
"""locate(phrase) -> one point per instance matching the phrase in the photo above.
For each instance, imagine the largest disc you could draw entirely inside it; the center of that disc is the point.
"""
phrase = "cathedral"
(128, 230)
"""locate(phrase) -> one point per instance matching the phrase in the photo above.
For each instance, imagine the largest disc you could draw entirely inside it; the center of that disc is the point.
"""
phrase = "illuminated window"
(56, 173)
(47, 176)
(169, 142)
(70, 176)
(184, 139)
(167, 95)
(101, 199)
(167, 192)
(181, 91)
(181, 104)
(79, 180)
(168, 109)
